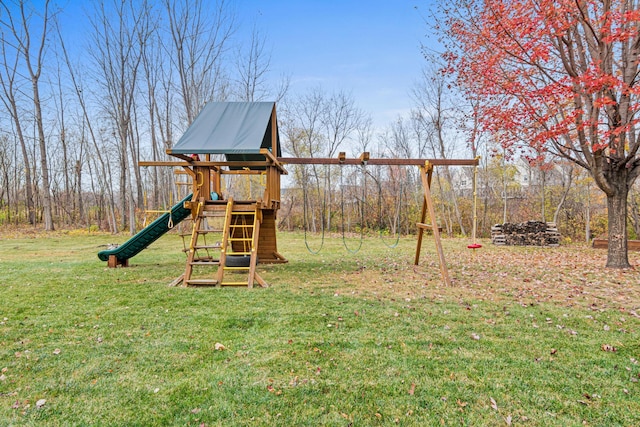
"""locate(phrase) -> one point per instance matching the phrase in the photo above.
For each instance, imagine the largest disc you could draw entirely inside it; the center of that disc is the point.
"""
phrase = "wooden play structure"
(241, 138)
(246, 134)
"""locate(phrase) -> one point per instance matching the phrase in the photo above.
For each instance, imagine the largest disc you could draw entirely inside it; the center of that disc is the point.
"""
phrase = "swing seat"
(474, 246)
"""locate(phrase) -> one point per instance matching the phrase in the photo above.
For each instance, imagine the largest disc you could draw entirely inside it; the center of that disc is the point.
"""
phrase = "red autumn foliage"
(557, 76)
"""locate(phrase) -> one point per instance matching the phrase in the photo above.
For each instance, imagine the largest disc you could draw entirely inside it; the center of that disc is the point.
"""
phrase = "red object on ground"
(474, 246)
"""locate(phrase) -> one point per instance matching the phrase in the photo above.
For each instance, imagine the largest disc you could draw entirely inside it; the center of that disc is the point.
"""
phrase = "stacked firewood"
(530, 233)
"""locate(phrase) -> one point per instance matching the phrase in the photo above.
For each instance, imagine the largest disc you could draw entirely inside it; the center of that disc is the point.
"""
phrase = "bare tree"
(20, 35)
(252, 65)
(98, 156)
(252, 68)
(199, 40)
(566, 171)
(9, 99)
(117, 53)
(436, 112)
(6, 164)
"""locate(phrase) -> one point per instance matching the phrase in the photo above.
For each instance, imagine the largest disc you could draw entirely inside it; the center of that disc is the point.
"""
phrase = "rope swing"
(305, 209)
(396, 218)
(342, 156)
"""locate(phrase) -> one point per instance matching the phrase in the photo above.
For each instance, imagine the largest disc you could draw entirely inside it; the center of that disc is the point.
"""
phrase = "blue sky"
(370, 49)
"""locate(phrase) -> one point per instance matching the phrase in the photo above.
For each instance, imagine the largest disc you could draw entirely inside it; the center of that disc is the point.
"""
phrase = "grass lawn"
(525, 336)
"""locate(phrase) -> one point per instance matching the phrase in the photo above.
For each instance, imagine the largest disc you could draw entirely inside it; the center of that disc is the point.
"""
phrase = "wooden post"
(425, 173)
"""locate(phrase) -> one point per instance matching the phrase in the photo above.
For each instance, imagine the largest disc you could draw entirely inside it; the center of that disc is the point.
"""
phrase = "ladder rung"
(207, 247)
(212, 262)
(240, 239)
(239, 253)
(243, 213)
(426, 226)
(236, 268)
(241, 226)
(213, 214)
(206, 282)
(234, 283)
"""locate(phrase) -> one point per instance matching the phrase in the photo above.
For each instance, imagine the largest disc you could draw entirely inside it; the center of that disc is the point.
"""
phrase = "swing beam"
(375, 161)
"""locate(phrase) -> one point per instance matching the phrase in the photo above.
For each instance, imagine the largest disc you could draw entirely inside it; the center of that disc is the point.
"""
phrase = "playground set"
(246, 134)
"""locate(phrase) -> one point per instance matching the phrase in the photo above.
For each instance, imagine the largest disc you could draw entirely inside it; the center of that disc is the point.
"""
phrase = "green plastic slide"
(149, 234)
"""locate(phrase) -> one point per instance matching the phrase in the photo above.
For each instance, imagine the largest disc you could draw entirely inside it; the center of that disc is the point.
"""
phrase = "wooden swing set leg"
(427, 206)
(420, 231)
(113, 262)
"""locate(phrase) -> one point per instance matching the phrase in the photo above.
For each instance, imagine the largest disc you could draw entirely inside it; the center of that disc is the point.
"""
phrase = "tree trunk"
(617, 216)
(28, 182)
(587, 225)
(44, 166)
(565, 193)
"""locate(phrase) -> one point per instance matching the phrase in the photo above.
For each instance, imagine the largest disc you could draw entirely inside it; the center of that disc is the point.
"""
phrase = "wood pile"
(530, 233)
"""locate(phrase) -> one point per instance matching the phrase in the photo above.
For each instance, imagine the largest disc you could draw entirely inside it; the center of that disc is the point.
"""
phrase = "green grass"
(336, 340)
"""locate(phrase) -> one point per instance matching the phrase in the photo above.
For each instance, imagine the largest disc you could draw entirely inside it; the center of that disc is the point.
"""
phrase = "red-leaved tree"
(561, 76)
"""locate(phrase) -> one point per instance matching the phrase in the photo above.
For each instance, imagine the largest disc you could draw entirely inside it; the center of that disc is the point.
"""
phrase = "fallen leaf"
(554, 350)
(508, 420)
(412, 389)
(3, 377)
(494, 405)
(461, 403)
(219, 347)
(56, 351)
(475, 336)
(196, 410)
(607, 347)
(40, 403)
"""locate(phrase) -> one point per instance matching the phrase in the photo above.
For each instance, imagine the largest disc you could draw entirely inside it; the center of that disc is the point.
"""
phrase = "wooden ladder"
(198, 245)
(240, 243)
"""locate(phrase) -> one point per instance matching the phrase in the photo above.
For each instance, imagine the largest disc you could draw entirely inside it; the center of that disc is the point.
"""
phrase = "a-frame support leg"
(427, 206)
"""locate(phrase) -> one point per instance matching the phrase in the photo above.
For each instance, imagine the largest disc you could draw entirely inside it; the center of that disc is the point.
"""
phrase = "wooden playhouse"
(230, 138)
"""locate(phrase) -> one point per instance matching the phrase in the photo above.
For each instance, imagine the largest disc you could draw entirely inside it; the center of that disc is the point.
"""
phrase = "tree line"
(82, 109)
(80, 113)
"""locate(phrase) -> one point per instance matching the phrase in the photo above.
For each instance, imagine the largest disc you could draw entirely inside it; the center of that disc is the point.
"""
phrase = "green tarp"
(236, 129)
